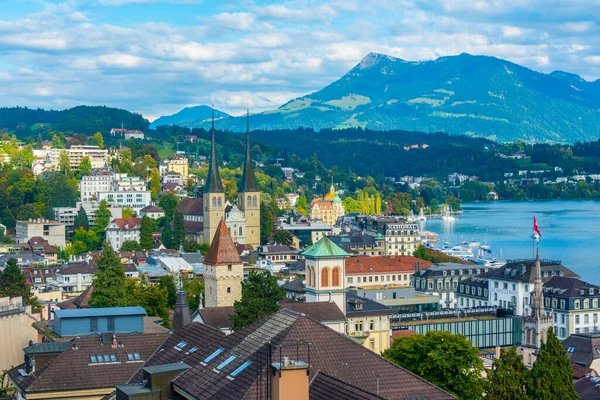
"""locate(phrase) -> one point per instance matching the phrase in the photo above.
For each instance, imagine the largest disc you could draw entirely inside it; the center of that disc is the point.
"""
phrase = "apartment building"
(123, 229)
(98, 180)
(51, 231)
(135, 200)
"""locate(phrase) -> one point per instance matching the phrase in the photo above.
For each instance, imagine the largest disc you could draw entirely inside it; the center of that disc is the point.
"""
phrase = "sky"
(155, 57)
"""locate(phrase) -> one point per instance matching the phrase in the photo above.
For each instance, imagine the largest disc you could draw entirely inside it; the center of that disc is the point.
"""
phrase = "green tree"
(351, 205)
(178, 228)
(131, 245)
(283, 237)
(153, 298)
(85, 166)
(13, 284)
(98, 140)
(421, 252)
(506, 379)
(378, 203)
(109, 280)
(103, 217)
(168, 202)
(168, 282)
(127, 212)
(266, 222)
(146, 239)
(89, 239)
(261, 296)
(57, 142)
(551, 376)
(166, 237)
(64, 164)
(203, 247)
(443, 358)
(302, 205)
(81, 220)
(194, 288)
(155, 183)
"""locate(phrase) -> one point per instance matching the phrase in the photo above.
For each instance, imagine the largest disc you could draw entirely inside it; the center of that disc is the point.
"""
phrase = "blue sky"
(156, 57)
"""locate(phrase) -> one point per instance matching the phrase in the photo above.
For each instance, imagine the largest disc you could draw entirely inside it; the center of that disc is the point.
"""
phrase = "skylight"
(240, 369)
(181, 345)
(133, 357)
(193, 349)
(102, 358)
(226, 362)
(212, 356)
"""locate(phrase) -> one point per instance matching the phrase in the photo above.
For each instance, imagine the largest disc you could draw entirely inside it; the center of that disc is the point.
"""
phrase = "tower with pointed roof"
(325, 273)
(536, 325)
(223, 270)
(249, 195)
(214, 194)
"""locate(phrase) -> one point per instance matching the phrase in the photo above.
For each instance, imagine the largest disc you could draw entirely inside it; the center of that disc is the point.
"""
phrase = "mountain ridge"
(474, 95)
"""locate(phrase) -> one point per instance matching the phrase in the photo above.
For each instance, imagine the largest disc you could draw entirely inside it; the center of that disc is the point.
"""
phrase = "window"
(229, 267)
(93, 324)
(562, 304)
(110, 321)
(336, 277)
(576, 304)
(495, 285)
(212, 356)
(226, 362)
(349, 279)
(586, 303)
(495, 296)
(240, 369)
(505, 285)
(228, 290)
(133, 357)
(562, 318)
(586, 319)
(514, 286)
(372, 344)
(102, 358)
(325, 277)
(577, 319)
(376, 279)
(371, 325)
(193, 350)
(181, 345)
(563, 332)
(595, 303)
(370, 279)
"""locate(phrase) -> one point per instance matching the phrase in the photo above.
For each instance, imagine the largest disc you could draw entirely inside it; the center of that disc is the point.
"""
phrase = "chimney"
(290, 380)
(182, 315)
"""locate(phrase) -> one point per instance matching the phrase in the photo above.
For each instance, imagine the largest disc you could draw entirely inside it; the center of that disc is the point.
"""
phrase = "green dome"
(379, 236)
(336, 199)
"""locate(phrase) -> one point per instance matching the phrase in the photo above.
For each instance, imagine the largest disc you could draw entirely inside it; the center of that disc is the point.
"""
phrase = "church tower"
(223, 270)
(214, 194)
(325, 273)
(536, 325)
(249, 195)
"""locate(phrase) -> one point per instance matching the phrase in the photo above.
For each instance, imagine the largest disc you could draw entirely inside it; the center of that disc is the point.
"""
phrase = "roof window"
(133, 357)
(102, 358)
(181, 345)
(571, 349)
(226, 362)
(193, 350)
(239, 369)
(212, 356)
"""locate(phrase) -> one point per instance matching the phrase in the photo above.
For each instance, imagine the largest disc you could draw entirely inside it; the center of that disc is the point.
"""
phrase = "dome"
(336, 199)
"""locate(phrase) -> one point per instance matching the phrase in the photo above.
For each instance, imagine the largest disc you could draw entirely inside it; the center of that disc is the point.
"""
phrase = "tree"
(13, 284)
(131, 245)
(506, 379)
(168, 202)
(168, 282)
(98, 140)
(351, 205)
(127, 212)
(260, 297)
(155, 183)
(421, 252)
(178, 228)
(109, 280)
(166, 237)
(203, 247)
(551, 375)
(283, 237)
(266, 222)
(443, 358)
(85, 166)
(103, 216)
(81, 220)
(64, 163)
(89, 239)
(154, 298)
(146, 239)
(194, 288)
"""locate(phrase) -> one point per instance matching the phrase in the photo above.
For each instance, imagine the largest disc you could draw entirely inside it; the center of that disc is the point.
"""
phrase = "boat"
(457, 251)
(447, 214)
(411, 217)
(422, 216)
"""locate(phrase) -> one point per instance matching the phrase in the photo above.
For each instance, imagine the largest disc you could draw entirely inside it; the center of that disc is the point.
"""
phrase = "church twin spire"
(248, 183)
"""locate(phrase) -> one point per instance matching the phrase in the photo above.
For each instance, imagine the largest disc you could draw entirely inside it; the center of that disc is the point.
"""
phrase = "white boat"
(411, 217)
(458, 251)
(422, 216)
(447, 214)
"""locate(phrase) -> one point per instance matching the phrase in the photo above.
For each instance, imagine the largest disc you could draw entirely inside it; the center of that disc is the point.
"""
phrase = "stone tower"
(223, 270)
(214, 194)
(325, 273)
(536, 325)
(249, 195)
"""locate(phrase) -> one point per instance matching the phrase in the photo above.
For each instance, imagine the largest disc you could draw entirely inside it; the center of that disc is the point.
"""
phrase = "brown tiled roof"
(194, 335)
(383, 264)
(403, 333)
(189, 206)
(171, 186)
(127, 224)
(586, 388)
(72, 369)
(80, 301)
(194, 227)
(79, 268)
(579, 371)
(217, 317)
(38, 242)
(222, 250)
(330, 352)
(325, 387)
(151, 209)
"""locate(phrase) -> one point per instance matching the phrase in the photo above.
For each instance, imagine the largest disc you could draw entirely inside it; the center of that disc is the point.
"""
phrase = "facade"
(442, 280)
(153, 212)
(74, 277)
(127, 134)
(236, 223)
(51, 231)
(216, 208)
(380, 271)
(328, 209)
(325, 273)
(67, 215)
(173, 177)
(359, 244)
(98, 180)
(178, 164)
(98, 157)
(401, 237)
(135, 200)
(15, 330)
(369, 322)
(192, 209)
(308, 232)
(223, 270)
(123, 229)
(472, 292)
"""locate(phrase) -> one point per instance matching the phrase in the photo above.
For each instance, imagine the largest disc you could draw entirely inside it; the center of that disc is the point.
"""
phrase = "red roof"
(127, 224)
(222, 250)
(379, 264)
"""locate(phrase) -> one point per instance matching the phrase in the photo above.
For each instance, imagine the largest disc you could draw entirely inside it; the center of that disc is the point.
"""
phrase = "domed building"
(328, 209)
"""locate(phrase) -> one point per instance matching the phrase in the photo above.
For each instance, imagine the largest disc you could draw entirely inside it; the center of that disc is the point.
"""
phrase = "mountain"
(81, 119)
(190, 116)
(471, 95)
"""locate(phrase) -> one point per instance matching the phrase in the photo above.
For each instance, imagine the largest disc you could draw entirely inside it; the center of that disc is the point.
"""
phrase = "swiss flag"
(536, 229)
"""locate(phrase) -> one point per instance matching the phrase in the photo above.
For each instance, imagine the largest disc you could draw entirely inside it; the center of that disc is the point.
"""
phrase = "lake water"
(570, 231)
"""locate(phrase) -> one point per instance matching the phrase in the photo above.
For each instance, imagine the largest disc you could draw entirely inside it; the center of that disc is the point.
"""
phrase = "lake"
(570, 231)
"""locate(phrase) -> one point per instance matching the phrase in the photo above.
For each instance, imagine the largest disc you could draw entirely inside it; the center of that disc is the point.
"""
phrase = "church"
(203, 215)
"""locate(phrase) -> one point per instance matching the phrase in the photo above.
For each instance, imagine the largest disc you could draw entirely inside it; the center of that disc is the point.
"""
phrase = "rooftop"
(383, 264)
(99, 312)
(222, 250)
(324, 248)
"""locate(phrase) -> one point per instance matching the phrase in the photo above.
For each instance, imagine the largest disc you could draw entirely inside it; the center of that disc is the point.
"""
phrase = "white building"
(99, 180)
(127, 134)
(98, 157)
(152, 212)
(75, 277)
(123, 229)
(67, 215)
(135, 200)
(51, 231)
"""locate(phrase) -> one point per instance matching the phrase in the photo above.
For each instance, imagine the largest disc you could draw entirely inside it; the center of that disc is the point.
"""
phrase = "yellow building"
(369, 322)
(179, 164)
(328, 209)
